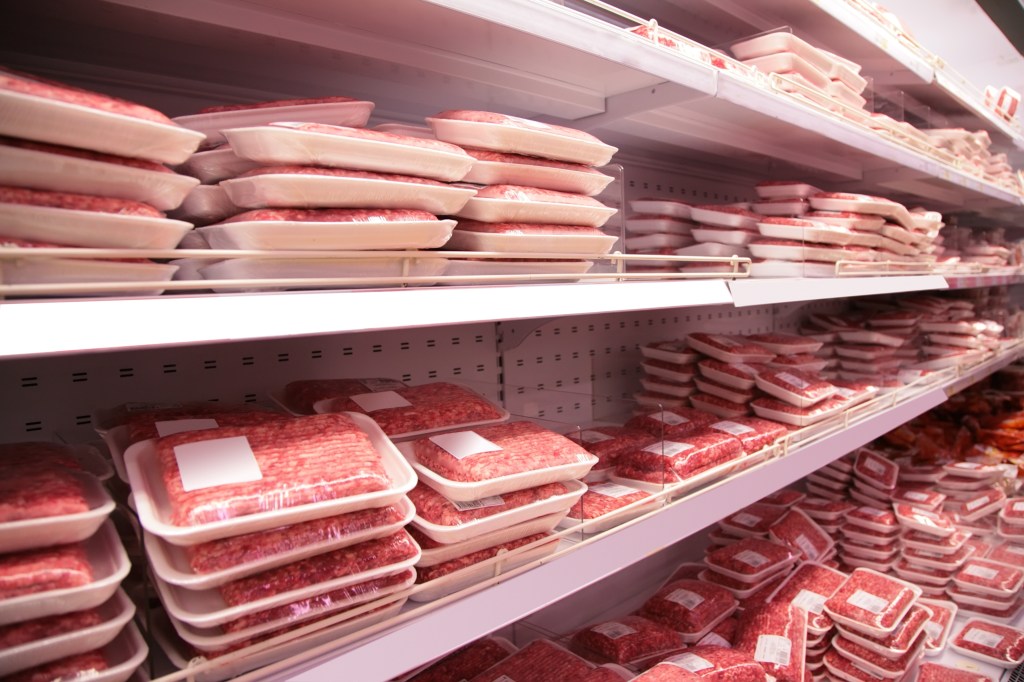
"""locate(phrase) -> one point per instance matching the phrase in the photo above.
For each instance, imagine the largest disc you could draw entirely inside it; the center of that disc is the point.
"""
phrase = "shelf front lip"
(466, 619)
(46, 328)
(762, 291)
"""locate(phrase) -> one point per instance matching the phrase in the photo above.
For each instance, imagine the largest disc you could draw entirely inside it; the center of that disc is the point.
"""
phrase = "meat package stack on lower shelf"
(62, 612)
(81, 169)
(664, 227)
(256, 521)
(973, 154)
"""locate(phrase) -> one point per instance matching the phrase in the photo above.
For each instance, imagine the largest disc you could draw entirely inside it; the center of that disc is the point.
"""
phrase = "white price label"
(745, 368)
(792, 380)
(383, 400)
(809, 601)
(612, 490)
(872, 512)
(732, 428)
(685, 598)
(874, 466)
(594, 437)
(1018, 506)
(503, 678)
(746, 520)
(977, 503)
(715, 639)
(846, 393)
(867, 601)
(916, 496)
(725, 341)
(933, 630)
(221, 461)
(463, 444)
(668, 448)
(981, 572)
(670, 418)
(482, 503)
(691, 662)
(773, 649)
(375, 385)
(751, 558)
(169, 428)
(807, 546)
(983, 637)
(613, 630)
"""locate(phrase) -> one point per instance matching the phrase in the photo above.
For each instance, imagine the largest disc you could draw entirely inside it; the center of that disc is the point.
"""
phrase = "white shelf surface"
(443, 629)
(762, 291)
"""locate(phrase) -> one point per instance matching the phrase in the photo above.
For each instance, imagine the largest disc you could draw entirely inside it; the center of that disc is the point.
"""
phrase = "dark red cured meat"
(38, 454)
(276, 103)
(595, 504)
(464, 663)
(433, 507)
(526, 228)
(43, 570)
(799, 532)
(522, 446)
(302, 460)
(709, 663)
(27, 493)
(33, 630)
(624, 640)
(67, 669)
(217, 555)
(428, 573)
(141, 428)
(333, 215)
(311, 608)
(896, 594)
(707, 450)
(538, 660)
(809, 586)
(374, 135)
(536, 195)
(29, 84)
(933, 672)
(751, 557)
(689, 606)
(608, 442)
(300, 396)
(339, 173)
(76, 202)
(674, 422)
(141, 164)
(513, 122)
(433, 406)
(775, 635)
(521, 159)
(364, 556)
(753, 433)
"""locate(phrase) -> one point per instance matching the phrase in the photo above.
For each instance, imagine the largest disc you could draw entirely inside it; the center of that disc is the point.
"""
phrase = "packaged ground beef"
(752, 521)
(876, 469)
(43, 570)
(990, 577)
(995, 643)
(871, 602)
(940, 622)
(933, 672)
(625, 640)
(605, 498)
(799, 532)
(690, 607)
(608, 442)
(672, 423)
(301, 396)
(809, 587)
(17, 634)
(671, 461)
(751, 559)
(427, 573)
(792, 386)
(466, 661)
(75, 667)
(29, 493)
(540, 659)
(432, 506)
(708, 663)
(775, 635)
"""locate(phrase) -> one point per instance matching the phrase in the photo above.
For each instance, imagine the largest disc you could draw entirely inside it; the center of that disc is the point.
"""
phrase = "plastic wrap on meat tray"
(752, 521)
(753, 433)
(43, 570)
(792, 386)
(300, 396)
(990, 577)
(809, 587)
(751, 559)
(672, 461)
(706, 662)
(27, 631)
(901, 641)
(435, 508)
(311, 607)
(488, 452)
(995, 643)
(426, 407)
(76, 667)
(690, 607)
(775, 635)
(145, 426)
(608, 442)
(873, 661)
(933, 672)
(799, 532)
(540, 659)
(467, 661)
(625, 640)
(931, 523)
(361, 557)
(217, 555)
(30, 494)
(605, 498)
(874, 468)
(871, 602)
(77, 202)
(38, 454)
(672, 423)
(428, 573)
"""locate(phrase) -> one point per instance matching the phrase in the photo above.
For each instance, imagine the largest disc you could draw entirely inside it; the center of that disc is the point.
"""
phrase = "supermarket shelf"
(972, 374)
(983, 280)
(768, 291)
(442, 629)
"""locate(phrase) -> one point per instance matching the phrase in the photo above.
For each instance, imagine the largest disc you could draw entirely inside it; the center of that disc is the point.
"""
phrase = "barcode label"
(746, 520)
(773, 649)
(613, 630)
(809, 601)
(483, 503)
(670, 418)
(594, 437)
(751, 558)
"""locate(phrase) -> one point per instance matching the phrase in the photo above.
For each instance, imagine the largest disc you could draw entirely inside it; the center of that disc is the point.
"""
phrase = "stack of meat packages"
(658, 227)
(836, 79)
(486, 486)
(257, 521)
(984, 247)
(973, 152)
(82, 169)
(62, 612)
(805, 232)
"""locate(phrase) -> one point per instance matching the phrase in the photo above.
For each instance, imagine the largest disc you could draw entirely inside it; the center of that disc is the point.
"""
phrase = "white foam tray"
(299, 269)
(73, 125)
(355, 114)
(206, 204)
(83, 271)
(529, 141)
(215, 165)
(545, 177)
(465, 240)
(16, 536)
(90, 228)
(328, 236)
(534, 211)
(439, 555)
(154, 509)
(171, 563)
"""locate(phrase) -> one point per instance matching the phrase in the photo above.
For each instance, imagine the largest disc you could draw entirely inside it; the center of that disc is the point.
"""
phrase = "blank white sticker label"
(691, 662)
(613, 630)
(773, 649)
(463, 444)
(746, 520)
(384, 400)
(1018, 506)
(612, 490)
(981, 572)
(222, 461)
(668, 448)
(751, 558)
(685, 598)
(809, 601)
(916, 496)
(983, 637)
(868, 602)
(670, 418)
(169, 428)
(594, 437)
(733, 428)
